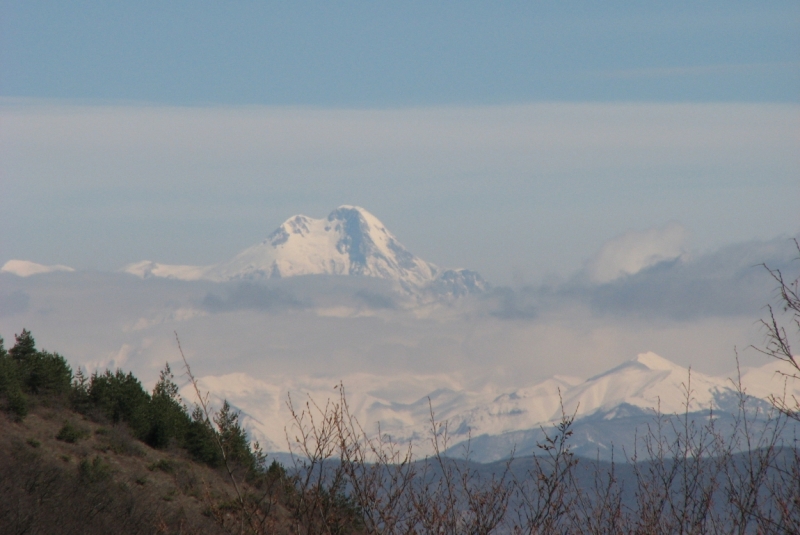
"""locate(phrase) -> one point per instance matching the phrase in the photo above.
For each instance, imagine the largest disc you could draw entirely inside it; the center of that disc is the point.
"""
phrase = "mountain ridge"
(630, 390)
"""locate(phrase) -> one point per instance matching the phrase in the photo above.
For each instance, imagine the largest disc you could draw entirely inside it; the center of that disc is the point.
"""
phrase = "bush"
(17, 404)
(120, 441)
(95, 471)
(164, 465)
(72, 433)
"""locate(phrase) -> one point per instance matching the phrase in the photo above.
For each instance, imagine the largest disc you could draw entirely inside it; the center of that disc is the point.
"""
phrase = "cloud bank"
(636, 250)
(692, 310)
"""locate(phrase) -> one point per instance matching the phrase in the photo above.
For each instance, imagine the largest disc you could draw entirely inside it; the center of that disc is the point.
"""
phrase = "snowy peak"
(372, 250)
(647, 363)
(349, 241)
(146, 269)
(646, 382)
(25, 268)
(655, 362)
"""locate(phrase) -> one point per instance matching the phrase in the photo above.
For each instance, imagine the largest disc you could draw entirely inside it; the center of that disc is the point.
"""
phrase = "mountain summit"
(350, 241)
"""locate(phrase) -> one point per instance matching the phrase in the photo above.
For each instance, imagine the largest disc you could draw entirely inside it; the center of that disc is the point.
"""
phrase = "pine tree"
(121, 398)
(24, 348)
(11, 395)
(79, 395)
(39, 372)
(233, 437)
(166, 387)
(168, 419)
(46, 373)
(200, 440)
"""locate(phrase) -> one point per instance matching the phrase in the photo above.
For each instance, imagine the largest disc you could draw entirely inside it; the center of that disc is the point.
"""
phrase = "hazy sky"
(513, 138)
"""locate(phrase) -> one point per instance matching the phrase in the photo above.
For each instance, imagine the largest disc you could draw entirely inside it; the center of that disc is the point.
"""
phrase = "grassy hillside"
(102, 455)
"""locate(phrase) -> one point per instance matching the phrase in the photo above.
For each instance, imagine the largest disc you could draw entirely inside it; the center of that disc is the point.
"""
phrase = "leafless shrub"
(777, 340)
(547, 490)
(687, 474)
(378, 480)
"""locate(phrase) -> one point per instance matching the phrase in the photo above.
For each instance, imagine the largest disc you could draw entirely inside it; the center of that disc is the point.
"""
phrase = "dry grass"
(103, 479)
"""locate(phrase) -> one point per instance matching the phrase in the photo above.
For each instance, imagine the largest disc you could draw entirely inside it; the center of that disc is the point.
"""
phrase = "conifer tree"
(39, 372)
(168, 419)
(121, 398)
(11, 395)
(200, 441)
(24, 348)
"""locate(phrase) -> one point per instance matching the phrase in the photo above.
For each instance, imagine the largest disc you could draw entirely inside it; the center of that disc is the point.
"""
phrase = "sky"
(544, 145)
(514, 139)
(400, 54)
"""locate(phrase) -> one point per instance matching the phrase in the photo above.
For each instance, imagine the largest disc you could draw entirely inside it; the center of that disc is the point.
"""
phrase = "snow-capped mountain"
(25, 268)
(496, 421)
(350, 241)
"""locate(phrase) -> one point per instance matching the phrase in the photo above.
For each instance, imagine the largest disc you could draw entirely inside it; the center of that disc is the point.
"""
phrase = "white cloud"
(634, 251)
(112, 361)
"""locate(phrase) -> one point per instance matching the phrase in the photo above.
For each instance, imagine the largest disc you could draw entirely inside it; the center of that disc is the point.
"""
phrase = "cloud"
(692, 311)
(727, 282)
(375, 300)
(252, 296)
(514, 304)
(636, 250)
(649, 275)
(112, 361)
(15, 302)
(348, 294)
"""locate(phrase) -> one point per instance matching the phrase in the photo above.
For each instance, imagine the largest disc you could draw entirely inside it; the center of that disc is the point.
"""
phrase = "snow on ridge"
(400, 403)
(349, 241)
(146, 269)
(25, 268)
(655, 362)
(649, 381)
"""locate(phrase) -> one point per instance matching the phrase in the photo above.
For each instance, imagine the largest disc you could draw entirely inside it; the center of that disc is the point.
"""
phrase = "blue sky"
(379, 54)
(514, 138)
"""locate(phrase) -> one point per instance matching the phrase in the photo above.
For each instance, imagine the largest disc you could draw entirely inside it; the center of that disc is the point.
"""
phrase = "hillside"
(101, 481)
(101, 455)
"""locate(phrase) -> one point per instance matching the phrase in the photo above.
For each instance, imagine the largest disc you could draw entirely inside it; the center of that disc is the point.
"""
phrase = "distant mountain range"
(609, 409)
(350, 259)
(350, 241)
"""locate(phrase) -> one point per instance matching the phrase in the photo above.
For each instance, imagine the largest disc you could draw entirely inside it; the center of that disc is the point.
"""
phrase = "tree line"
(158, 418)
